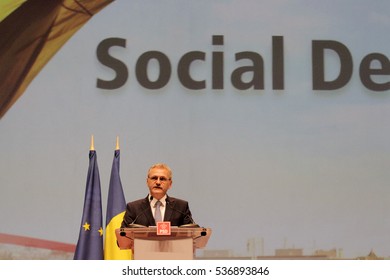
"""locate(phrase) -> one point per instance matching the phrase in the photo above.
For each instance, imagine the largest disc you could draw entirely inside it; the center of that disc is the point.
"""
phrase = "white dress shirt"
(162, 207)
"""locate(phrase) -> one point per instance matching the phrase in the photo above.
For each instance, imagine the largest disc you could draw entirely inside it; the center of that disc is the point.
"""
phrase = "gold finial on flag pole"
(92, 148)
(117, 143)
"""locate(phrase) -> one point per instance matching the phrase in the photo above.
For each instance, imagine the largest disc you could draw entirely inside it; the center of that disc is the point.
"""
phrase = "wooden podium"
(148, 245)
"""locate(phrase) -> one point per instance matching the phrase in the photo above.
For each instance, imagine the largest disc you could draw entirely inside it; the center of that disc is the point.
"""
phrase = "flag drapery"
(116, 206)
(31, 33)
(90, 242)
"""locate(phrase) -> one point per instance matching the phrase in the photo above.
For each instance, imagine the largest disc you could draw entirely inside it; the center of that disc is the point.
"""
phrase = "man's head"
(159, 180)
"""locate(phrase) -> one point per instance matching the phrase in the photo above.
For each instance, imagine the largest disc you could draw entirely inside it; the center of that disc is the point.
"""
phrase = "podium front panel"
(148, 245)
(178, 249)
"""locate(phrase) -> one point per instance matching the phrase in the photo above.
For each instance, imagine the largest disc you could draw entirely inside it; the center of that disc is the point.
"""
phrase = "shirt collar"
(153, 200)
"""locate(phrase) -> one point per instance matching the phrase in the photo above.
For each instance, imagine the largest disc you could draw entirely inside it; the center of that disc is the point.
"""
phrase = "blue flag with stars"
(90, 243)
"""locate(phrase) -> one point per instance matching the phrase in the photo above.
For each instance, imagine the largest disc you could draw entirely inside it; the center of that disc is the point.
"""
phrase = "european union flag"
(90, 243)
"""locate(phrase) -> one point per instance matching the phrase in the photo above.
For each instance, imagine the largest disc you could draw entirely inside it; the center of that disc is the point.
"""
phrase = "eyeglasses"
(162, 178)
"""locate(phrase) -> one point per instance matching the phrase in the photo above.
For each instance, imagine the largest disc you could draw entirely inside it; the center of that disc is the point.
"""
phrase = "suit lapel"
(148, 213)
(169, 208)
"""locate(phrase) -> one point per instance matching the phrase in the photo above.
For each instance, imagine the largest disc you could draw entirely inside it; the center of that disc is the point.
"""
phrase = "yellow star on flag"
(100, 231)
(86, 226)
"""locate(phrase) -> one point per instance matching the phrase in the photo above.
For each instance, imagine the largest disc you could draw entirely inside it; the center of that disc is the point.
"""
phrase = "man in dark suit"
(158, 205)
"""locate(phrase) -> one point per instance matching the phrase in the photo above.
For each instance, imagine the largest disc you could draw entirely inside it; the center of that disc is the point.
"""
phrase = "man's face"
(159, 182)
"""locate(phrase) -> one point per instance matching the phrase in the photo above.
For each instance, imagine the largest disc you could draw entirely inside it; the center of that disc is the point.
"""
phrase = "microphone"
(192, 225)
(133, 224)
(123, 233)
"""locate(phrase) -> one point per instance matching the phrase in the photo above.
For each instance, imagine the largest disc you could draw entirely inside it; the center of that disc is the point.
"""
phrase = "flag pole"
(92, 148)
(116, 207)
(90, 243)
(117, 143)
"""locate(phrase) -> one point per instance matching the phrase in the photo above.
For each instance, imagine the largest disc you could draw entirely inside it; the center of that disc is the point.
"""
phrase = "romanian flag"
(116, 206)
(90, 243)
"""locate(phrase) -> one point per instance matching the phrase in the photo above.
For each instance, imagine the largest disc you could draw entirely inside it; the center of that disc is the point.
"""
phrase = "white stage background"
(286, 164)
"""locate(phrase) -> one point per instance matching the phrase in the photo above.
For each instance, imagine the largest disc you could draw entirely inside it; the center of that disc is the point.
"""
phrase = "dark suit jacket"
(138, 212)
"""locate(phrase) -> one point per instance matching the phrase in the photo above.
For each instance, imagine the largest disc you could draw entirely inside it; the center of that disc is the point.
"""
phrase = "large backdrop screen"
(273, 115)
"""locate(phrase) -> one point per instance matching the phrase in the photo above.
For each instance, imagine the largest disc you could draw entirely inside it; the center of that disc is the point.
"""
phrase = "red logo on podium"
(163, 228)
